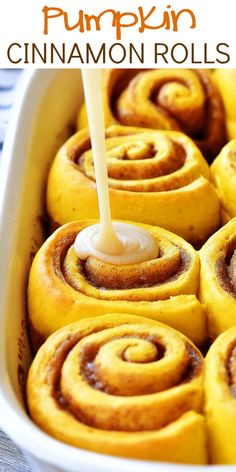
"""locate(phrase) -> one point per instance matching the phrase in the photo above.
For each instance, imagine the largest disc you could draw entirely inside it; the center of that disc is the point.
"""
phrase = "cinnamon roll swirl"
(155, 177)
(180, 99)
(221, 398)
(121, 385)
(225, 80)
(224, 175)
(218, 279)
(63, 288)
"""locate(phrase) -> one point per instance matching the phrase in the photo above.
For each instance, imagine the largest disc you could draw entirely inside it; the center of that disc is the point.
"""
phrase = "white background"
(23, 21)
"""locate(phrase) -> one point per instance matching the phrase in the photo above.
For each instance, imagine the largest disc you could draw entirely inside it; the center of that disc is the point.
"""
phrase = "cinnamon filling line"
(226, 268)
(231, 368)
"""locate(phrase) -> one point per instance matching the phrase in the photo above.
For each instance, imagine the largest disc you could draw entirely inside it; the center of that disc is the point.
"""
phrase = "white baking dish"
(47, 104)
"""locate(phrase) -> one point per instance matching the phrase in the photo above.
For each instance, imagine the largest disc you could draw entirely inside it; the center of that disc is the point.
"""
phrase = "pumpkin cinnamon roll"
(63, 288)
(221, 398)
(180, 99)
(218, 279)
(121, 385)
(225, 80)
(155, 177)
(224, 175)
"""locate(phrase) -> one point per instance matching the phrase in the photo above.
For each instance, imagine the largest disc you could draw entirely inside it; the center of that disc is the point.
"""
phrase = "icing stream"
(116, 243)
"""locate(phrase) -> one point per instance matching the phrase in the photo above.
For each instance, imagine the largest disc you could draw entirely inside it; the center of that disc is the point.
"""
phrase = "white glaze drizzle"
(115, 243)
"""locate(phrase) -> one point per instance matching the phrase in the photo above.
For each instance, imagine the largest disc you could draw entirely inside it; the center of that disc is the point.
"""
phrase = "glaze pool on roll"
(121, 385)
(62, 288)
(155, 177)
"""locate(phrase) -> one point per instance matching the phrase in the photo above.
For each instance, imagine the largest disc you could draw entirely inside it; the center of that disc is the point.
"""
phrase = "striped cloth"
(8, 80)
(11, 459)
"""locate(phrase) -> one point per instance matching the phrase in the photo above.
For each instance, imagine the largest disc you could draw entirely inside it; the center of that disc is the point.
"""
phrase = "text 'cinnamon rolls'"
(155, 177)
(63, 288)
(121, 385)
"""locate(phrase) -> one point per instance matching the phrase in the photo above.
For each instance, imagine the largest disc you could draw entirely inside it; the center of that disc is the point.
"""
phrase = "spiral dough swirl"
(117, 374)
(154, 177)
(220, 380)
(185, 100)
(226, 267)
(163, 288)
(224, 175)
(155, 279)
(218, 279)
(146, 160)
